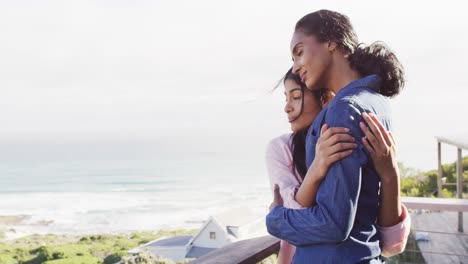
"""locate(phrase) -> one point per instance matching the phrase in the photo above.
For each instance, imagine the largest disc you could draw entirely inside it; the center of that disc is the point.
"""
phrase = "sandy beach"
(13, 219)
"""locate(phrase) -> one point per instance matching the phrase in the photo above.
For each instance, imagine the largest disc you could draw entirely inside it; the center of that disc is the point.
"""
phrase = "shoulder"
(344, 109)
(283, 140)
(279, 146)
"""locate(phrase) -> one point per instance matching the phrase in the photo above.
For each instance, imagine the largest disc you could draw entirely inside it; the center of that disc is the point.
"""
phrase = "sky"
(199, 74)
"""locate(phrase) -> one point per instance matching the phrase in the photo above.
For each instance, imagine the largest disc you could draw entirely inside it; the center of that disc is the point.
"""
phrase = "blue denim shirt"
(341, 227)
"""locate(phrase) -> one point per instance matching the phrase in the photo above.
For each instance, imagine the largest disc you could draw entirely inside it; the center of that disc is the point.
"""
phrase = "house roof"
(211, 219)
(177, 241)
(171, 242)
(235, 217)
(196, 252)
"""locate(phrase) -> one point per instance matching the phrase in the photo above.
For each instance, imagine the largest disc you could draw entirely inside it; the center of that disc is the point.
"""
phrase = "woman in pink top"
(298, 185)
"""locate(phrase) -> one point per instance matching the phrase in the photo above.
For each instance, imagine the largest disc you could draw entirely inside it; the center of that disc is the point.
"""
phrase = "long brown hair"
(298, 138)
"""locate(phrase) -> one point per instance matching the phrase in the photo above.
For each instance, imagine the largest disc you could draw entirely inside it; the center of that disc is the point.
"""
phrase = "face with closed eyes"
(312, 59)
(300, 115)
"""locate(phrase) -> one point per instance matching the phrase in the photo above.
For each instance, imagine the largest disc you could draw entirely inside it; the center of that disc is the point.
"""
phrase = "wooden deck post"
(460, 187)
(439, 166)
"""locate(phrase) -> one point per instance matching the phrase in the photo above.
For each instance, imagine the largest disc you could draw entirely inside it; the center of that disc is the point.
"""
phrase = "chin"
(294, 128)
(312, 85)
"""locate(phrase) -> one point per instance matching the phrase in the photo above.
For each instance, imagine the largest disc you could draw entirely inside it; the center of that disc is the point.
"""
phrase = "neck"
(341, 74)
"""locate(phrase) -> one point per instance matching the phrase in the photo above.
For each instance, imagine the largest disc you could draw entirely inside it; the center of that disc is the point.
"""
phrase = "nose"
(296, 68)
(288, 108)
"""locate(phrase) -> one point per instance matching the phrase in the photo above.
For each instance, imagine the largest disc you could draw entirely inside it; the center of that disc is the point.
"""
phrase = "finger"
(277, 193)
(324, 128)
(339, 156)
(276, 189)
(392, 138)
(374, 129)
(334, 130)
(368, 146)
(340, 147)
(338, 138)
(369, 136)
(382, 129)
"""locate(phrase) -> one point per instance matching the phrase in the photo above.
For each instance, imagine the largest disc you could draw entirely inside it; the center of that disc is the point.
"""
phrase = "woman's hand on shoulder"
(333, 145)
(381, 146)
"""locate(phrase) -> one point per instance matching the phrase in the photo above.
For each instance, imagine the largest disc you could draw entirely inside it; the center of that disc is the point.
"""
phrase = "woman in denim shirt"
(341, 227)
(285, 160)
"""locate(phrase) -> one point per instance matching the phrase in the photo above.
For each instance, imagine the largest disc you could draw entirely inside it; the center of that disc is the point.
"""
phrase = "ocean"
(79, 193)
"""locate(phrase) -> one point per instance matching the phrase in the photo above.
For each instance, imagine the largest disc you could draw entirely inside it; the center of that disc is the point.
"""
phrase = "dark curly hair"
(376, 58)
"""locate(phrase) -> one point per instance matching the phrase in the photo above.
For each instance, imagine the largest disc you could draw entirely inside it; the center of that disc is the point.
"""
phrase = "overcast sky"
(201, 71)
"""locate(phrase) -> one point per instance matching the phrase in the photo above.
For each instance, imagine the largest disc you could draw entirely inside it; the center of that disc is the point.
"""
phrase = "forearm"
(307, 192)
(331, 220)
(304, 226)
(394, 238)
(390, 208)
(286, 252)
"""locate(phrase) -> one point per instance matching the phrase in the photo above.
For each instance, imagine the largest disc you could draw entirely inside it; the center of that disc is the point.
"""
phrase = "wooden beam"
(460, 141)
(460, 187)
(254, 250)
(250, 251)
(439, 166)
(436, 204)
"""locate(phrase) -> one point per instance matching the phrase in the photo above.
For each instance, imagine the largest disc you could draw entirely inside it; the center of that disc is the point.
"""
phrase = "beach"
(87, 196)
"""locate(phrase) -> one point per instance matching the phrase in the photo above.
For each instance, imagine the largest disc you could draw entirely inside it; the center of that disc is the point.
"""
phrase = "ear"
(332, 46)
(326, 97)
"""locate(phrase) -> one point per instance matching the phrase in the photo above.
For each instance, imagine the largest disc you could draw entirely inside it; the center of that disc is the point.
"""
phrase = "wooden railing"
(248, 251)
(254, 250)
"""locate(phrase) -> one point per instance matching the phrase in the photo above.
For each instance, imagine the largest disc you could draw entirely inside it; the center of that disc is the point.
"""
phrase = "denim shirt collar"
(372, 81)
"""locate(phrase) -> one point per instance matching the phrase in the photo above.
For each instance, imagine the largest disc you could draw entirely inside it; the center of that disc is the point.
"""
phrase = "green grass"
(90, 249)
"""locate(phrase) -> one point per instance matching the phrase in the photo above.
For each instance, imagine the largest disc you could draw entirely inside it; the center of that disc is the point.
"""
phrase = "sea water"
(78, 193)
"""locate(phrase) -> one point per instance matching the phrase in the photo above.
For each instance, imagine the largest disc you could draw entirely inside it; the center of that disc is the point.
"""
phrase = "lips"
(292, 119)
(303, 77)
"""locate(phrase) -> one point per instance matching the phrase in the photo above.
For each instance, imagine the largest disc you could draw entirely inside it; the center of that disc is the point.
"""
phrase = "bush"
(7, 259)
(75, 260)
(113, 258)
(61, 252)
(146, 257)
(424, 184)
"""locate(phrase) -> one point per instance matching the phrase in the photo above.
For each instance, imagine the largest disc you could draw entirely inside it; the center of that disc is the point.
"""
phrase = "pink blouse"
(279, 165)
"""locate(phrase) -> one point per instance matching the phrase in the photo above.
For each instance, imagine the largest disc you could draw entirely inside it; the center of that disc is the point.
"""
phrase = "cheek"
(296, 106)
(304, 121)
(311, 55)
(317, 58)
(311, 107)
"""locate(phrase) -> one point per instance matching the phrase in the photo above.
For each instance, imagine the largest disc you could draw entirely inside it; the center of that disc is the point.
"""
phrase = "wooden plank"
(254, 250)
(439, 166)
(460, 141)
(450, 184)
(248, 251)
(445, 245)
(436, 204)
(460, 186)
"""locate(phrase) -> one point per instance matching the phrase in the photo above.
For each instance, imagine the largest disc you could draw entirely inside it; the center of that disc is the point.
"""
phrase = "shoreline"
(14, 227)
(9, 234)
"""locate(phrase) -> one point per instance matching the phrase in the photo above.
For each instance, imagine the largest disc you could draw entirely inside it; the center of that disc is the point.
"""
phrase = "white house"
(216, 232)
